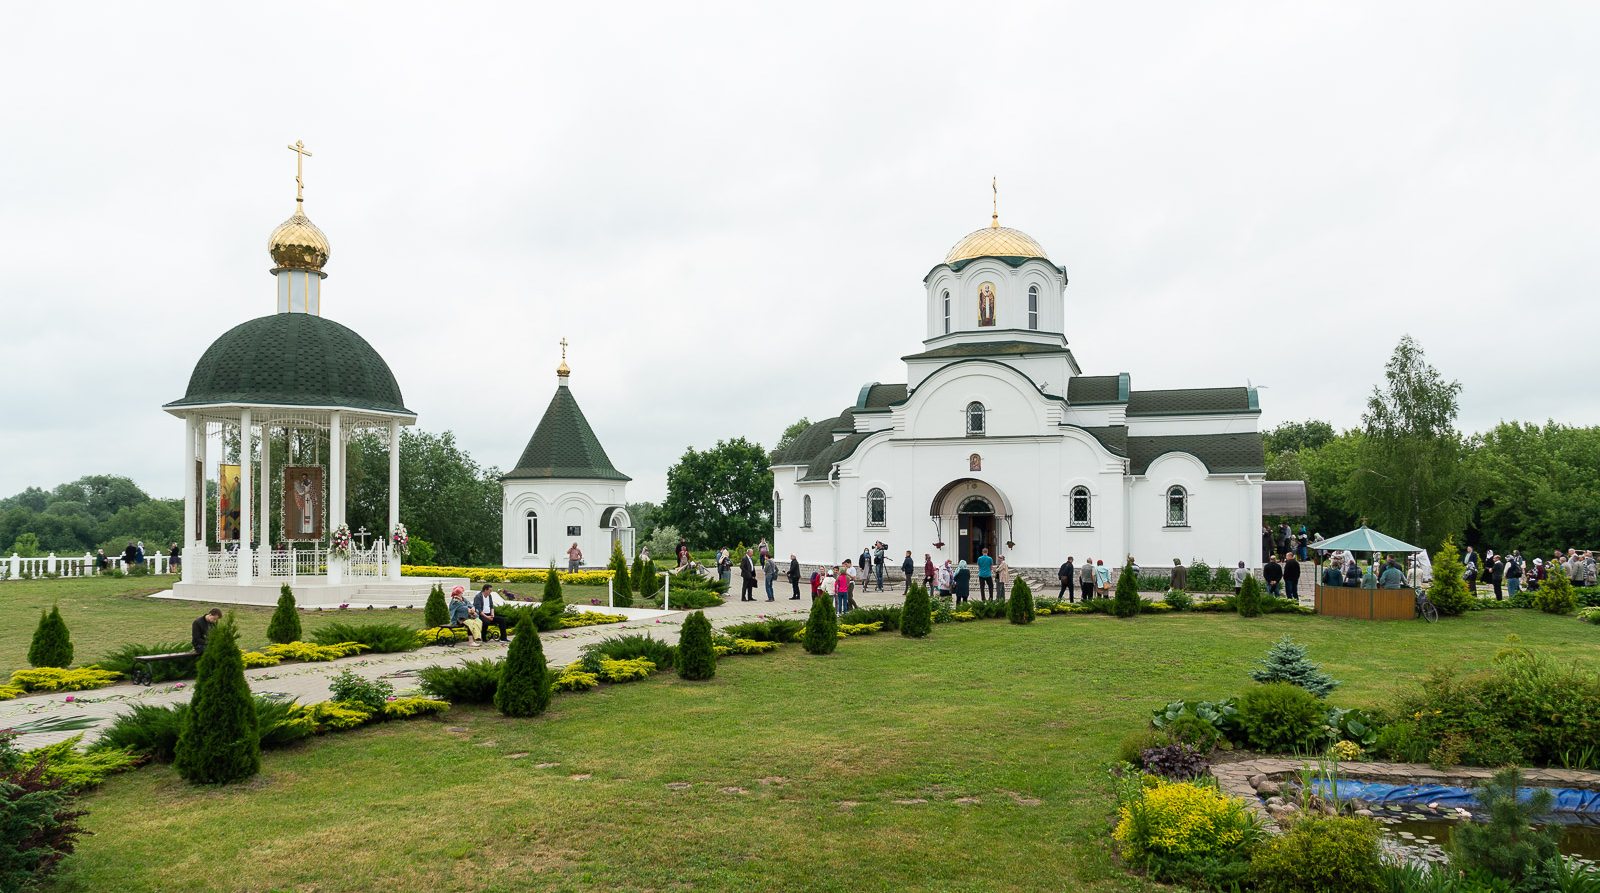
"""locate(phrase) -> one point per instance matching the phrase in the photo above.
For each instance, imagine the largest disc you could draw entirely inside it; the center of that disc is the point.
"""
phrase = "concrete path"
(308, 682)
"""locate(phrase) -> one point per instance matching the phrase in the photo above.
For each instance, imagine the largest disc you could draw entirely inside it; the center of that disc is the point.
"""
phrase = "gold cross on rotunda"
(300, 154)
(562, 370)
(994, 219)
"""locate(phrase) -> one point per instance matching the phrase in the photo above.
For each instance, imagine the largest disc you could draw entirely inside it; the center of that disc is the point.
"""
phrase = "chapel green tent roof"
(564, 446)
(1241, 453)
(1365, 539)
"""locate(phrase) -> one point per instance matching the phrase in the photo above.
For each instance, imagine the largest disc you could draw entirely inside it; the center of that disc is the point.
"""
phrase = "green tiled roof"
(1098, 389)
(1114, 438)
(564, 446)
(819, 467)
(881, 396)
(293, 359)
(808, 443)
(987, 349)
(1191, 401)
(1220, 453)
(1010, 260)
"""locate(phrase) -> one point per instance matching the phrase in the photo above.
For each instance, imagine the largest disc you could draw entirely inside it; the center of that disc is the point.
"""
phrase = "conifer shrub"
(642, 577)
(1554, 595)
(1278, 717)
(1019, 608)
(1287, 662)
(822, 628)
(469, 682)
(621, 586)
(219, 743)
(1508, 846)
(120, 660)
(525, 684)
(629, 646)
(551, 605)
(1127, 599)
(285, 624)
(52, 644)
(435, 612)
(380, 638)
(1448, 592)
(916, 616)
(1249, 598)
(887, 616)
(1178, 600)
(39, 818)
(696, 659)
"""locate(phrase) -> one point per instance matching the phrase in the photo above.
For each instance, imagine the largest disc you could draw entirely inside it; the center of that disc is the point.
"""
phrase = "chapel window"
(1033, 306)
(532, 523)
(1080, 507)
(877, 508)
(1177, 507)
(805, 511)
(777, 510)
(975, 419)
(947, 313)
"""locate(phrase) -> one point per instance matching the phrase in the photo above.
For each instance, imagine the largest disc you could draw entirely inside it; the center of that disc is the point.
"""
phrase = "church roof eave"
(1013, 261)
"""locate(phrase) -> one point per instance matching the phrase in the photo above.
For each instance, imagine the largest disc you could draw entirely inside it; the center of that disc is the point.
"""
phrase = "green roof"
(1098, 389)
(1010, 260)
(1113, 438)
(987, 349)
(1192, 401)
(877, 396)
(1219, 453)
(808, 443)
(293, 359)
(823, 462)
(564, 446)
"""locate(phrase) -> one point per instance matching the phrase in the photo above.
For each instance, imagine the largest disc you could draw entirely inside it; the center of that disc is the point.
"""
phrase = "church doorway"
(975, 522)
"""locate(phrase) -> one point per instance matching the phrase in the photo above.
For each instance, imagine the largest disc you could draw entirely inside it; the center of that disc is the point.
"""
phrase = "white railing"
(18, 568)
(372, 562)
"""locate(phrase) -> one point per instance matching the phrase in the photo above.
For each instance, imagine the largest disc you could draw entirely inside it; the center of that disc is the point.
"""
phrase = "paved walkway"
(308, 682)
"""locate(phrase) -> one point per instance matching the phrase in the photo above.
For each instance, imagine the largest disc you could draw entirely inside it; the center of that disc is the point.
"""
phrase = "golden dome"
(995, 240)
(297, 244)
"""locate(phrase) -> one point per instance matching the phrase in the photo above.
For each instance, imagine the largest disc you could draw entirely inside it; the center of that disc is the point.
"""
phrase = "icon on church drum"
(302, 503)
(986, 304)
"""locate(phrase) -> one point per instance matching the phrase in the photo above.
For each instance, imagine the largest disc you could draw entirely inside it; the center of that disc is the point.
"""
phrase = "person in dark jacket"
(1291, 577)
(487, 604)
(747, 576)
(794, 577)
(200, 630)
(1180, 576)
(1068, 574)
(1331, 575)
(908, 567)
(1273, 574)
(1497, 573)
(959, 583)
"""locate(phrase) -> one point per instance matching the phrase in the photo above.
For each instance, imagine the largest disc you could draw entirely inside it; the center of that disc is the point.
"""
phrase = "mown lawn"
(971, 761)
(103, 613)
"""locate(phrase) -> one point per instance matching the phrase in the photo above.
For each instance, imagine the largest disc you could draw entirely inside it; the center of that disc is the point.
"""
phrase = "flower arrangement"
(339, 541)
(400, 539)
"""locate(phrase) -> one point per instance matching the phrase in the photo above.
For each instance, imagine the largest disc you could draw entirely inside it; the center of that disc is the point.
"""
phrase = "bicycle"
(1425, 608)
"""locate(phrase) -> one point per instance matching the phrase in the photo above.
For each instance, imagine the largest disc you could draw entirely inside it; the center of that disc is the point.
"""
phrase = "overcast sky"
(729, 211)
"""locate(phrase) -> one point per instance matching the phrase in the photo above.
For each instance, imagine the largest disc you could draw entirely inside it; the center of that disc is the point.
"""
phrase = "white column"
(394, 494)
(335, 490)
(264, 533)
(246, 445)
(191, 532)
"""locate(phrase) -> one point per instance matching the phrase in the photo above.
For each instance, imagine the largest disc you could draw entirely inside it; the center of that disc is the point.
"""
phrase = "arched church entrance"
(975, 520)
(971, 515)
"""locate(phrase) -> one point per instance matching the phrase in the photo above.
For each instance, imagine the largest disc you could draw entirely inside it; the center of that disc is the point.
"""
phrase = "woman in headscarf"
(959, 581)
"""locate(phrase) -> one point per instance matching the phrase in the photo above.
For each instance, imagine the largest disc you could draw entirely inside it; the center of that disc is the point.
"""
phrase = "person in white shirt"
(487, 603)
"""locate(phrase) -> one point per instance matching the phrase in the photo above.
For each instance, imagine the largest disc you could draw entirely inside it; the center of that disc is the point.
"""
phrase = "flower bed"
(505, 574)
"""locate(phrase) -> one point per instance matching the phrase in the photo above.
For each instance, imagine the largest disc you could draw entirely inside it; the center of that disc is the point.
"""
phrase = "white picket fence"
(18, 568)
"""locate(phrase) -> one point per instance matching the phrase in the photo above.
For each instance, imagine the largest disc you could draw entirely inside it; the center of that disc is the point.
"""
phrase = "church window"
(1033, 306)
(1177, 507)
(805, 511)
(975, 419)
(532, 523)
(877, 508)
(777, 510)
(1080, 507)
(947, 313)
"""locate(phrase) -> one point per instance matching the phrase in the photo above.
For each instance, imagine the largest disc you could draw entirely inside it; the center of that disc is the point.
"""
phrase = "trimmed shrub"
(1019, 608)
(281, 722)
(641, 577)
(1287, 662)
(822, 628)
(621, 584)
(525, 685)
(1182, 820)
(688, 598)
(1448, 592)
(1507, 846)
(1248, 601)
(696, 660)
(629, 647)
(435, 612)
(1178, 600)
(57, 679)
(284, 627)
(1200, 576)
(1321, 854)
(380, 638)
(347, 686)
(886, 616)
(775, 630)
(1221, 579)
(38, 815)
(1278, 717)
(552, 587)
(219, 743)
(916, 616)
(626, 670)
(148, 729)
(470, 682)
(52, 644)
(1127, 601)
(1554, 595)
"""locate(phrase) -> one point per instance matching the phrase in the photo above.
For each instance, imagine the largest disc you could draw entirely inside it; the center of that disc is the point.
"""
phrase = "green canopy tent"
(1366, 540)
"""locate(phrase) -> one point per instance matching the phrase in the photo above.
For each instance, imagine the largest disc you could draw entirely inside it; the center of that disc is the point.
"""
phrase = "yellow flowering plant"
(506, 574)
(59, 679)
(1176, 819)
(311, 651)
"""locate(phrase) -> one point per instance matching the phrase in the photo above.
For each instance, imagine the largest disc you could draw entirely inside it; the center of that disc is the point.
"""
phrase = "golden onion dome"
(297, 244)
(995, 240)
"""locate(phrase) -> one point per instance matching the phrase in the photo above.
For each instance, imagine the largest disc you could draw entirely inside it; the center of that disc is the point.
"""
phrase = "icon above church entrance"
(986, 304)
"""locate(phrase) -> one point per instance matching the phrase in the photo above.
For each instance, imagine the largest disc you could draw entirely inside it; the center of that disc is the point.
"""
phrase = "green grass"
(105, 612)
(795, 763)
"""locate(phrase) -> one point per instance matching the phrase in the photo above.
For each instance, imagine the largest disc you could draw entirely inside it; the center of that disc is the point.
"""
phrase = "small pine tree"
(822, 627)
(1448, 592)
(551, 606)
(1019, 609)
(219, 742)
(1287, 662)
(1127, 593)
(1554, 595)
(435, 613)
(524, 688)
(52, 644)
(285, 624)
(620, 585)
(916, 617)
(641, 576)
(1249, 598)
(552, 586)
(696, 658)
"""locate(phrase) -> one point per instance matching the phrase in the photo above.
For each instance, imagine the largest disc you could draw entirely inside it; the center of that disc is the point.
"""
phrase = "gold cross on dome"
(994, 219)
(563, 350)
(300, 155)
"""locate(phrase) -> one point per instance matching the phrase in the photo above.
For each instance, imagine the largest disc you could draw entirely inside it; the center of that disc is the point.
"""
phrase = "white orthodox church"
(997, 440)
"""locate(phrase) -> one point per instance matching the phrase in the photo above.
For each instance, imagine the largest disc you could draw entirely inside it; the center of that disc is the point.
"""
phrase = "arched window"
(1033, 306)
(877, 508)
(1177, 507)
(975, 419)
(805, 511)
(777, 510)
(947, 312)
(532, 523)
(1080, 507)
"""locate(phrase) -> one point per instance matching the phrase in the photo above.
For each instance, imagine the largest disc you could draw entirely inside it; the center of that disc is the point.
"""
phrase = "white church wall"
(560, 504)
(1216, 505)
(1012, 407)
